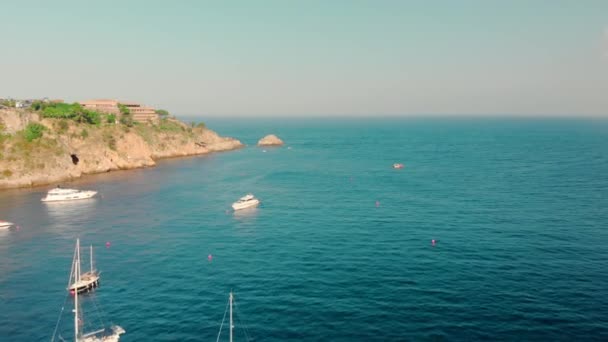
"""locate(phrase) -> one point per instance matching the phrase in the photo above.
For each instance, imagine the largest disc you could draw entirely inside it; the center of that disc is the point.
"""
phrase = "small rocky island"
(270, 140)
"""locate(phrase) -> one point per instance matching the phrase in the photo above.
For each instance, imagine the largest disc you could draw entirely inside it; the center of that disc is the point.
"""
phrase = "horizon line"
(397, 116)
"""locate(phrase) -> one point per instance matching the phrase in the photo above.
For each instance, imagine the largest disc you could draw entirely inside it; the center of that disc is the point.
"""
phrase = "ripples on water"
(519, 209)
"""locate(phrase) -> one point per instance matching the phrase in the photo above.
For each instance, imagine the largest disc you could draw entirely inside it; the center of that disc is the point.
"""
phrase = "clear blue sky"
(287, 58)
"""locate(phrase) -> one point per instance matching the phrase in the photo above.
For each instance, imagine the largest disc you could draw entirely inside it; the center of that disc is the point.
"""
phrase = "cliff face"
(69, 150)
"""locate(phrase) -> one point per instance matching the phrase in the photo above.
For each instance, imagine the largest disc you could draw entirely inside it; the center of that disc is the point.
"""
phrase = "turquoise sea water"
(519, 209)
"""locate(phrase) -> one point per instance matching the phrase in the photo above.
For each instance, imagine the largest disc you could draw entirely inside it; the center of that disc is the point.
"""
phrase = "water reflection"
(70, 213)
(246, 214)
(6, 231)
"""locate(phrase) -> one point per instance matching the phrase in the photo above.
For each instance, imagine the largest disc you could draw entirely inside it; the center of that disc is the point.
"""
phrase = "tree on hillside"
(124, 110)
(162, 113)
(125, 117)
(38, 105)
(79, 113)
(85, 116)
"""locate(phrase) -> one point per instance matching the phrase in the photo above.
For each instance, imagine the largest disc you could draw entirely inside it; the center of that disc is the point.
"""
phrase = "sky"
(312, 58)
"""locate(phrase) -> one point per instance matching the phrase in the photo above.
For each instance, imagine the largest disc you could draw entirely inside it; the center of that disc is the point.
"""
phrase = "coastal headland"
(39, 147)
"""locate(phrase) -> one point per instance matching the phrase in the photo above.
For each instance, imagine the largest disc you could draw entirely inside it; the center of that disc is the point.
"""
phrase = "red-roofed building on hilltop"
(138, 112)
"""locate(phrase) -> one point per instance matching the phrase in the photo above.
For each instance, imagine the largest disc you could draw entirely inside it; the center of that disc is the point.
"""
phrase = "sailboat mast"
(231, 325)
(76, 278)
(78, 260)
(92, 259)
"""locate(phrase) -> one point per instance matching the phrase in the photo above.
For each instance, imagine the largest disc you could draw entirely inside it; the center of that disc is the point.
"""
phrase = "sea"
(341, 247)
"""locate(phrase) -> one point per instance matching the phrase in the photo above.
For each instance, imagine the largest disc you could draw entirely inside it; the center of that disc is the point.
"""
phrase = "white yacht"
(60, 194)
(247, 201)
(6, 224)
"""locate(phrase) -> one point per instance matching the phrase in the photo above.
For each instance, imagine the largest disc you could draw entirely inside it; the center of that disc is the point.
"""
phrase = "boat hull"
(248, 204)
(113, 337)
(71, 197)
(6, 225)
(88, 282)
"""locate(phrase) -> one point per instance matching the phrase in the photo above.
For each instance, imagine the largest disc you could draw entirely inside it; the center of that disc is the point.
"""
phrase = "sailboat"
(230, 304)
(101, 335)
(83, 282)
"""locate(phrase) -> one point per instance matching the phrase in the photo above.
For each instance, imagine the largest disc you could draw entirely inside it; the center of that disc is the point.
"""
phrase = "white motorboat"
(247, 201)
(6, 224)
(60, 194)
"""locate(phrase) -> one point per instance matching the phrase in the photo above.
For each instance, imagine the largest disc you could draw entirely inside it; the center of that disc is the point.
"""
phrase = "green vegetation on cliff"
(162, 113)
(8, 103)
(125, 115)
(33, 131)
(73, 111)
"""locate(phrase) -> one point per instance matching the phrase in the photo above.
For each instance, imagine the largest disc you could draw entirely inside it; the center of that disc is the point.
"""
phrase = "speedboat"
(397, 166)
(60, 194)
(6, 224)
(247, 201)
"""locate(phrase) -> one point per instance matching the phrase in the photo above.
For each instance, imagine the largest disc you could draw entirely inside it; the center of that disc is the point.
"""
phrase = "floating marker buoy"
(377, 204)
(210, 257)
(433, 242)
(108, 244)
(72, 292)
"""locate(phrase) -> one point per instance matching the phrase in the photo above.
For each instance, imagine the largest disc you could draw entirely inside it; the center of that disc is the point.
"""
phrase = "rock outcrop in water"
(69, 150)
(270, 140)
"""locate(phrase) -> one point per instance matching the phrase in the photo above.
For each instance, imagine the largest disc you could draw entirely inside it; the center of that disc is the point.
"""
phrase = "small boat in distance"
(83, 282)
(247, 201)
(6, 224)
(60, 194)
(398, 166)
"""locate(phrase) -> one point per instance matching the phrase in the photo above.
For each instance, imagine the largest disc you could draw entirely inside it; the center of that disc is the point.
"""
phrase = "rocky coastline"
(69, 150)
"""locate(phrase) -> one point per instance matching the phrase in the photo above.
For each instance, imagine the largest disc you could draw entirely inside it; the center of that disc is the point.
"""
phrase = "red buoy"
(210, 257)
(108, 244)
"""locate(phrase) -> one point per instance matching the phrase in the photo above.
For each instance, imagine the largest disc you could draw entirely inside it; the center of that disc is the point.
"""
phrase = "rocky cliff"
(69, 150)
